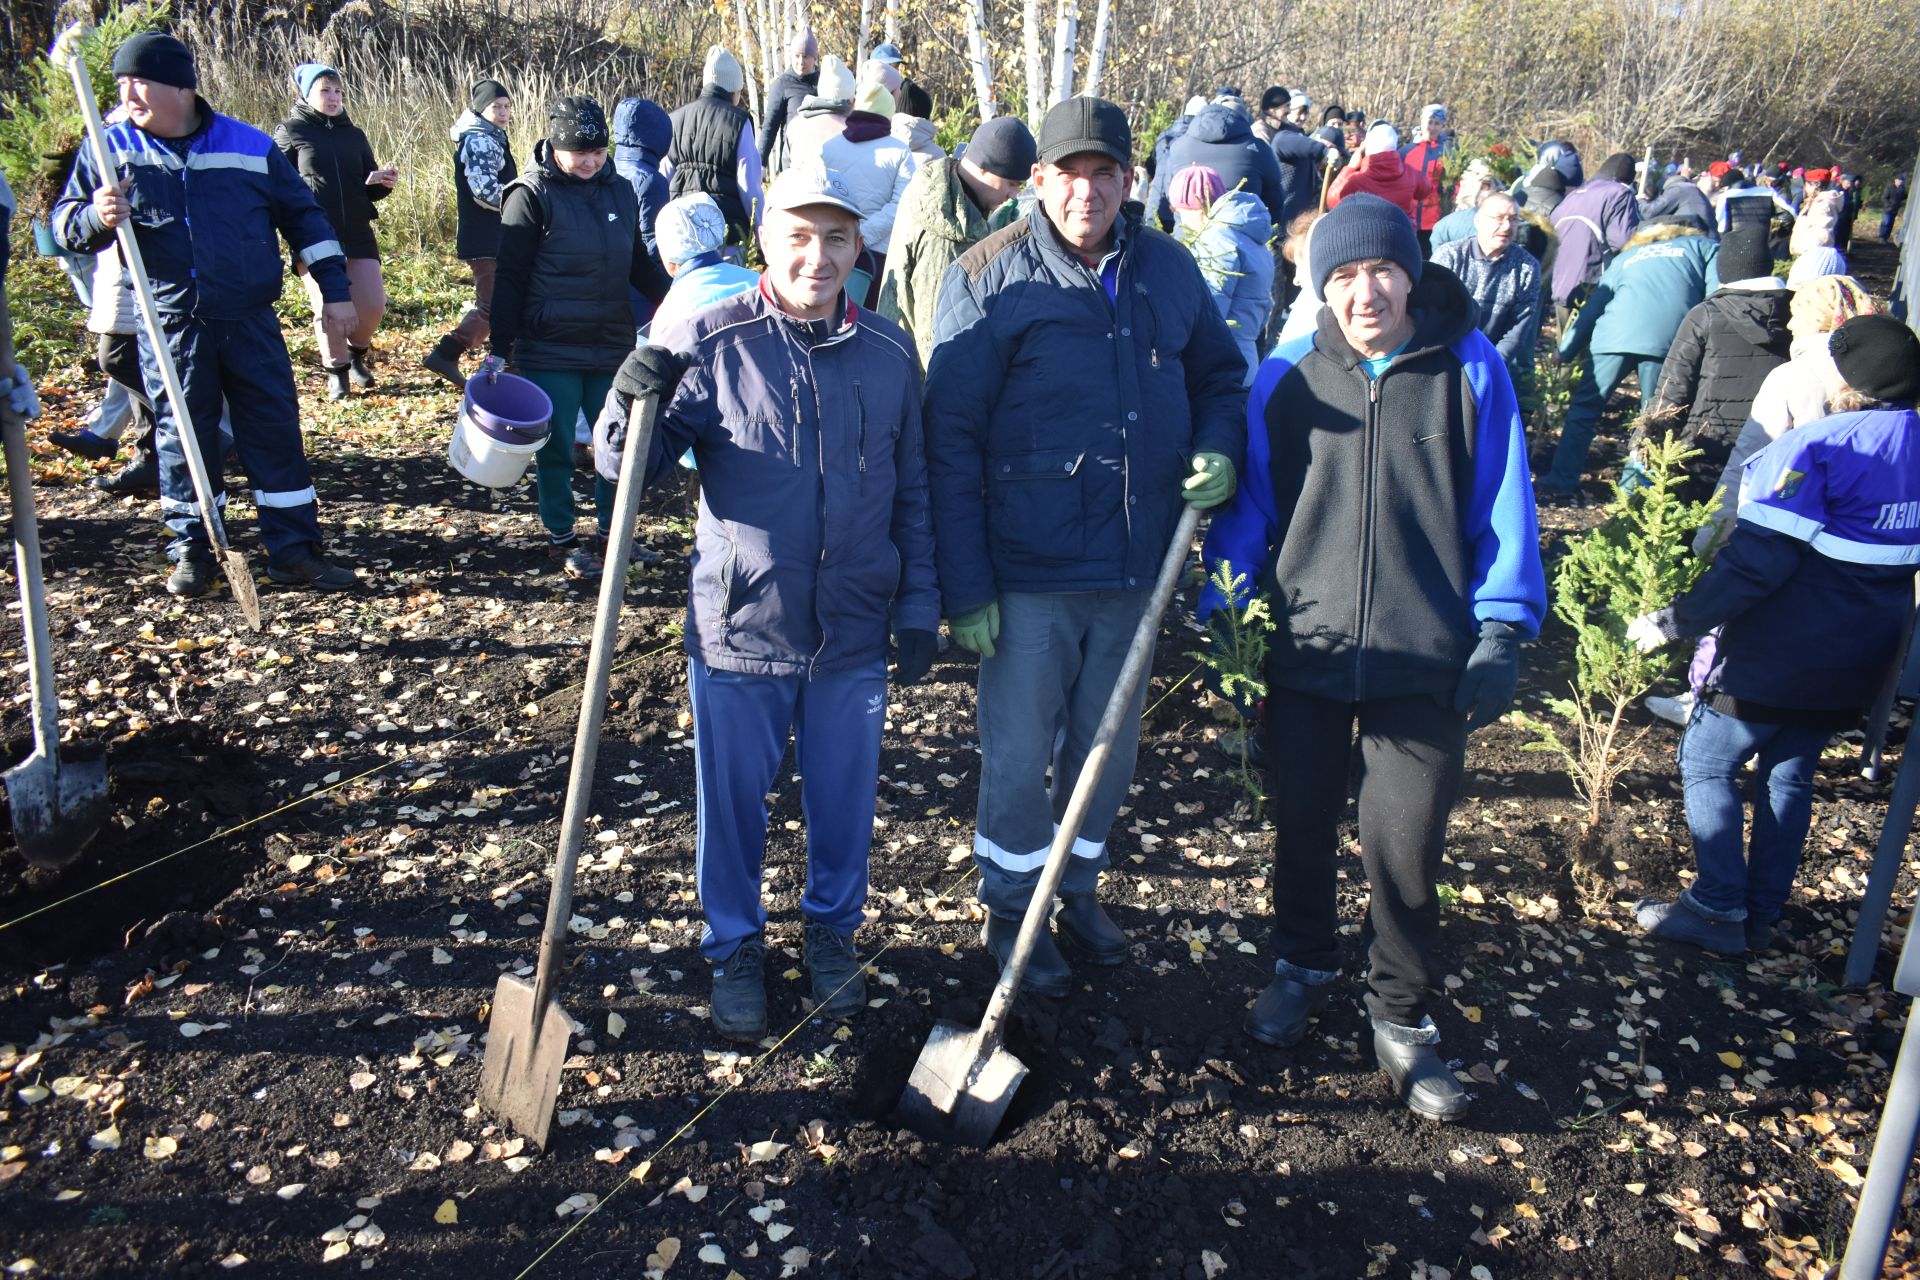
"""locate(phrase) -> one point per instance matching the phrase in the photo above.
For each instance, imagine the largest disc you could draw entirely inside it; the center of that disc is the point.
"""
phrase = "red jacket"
(1427, 159)
(1385, 175)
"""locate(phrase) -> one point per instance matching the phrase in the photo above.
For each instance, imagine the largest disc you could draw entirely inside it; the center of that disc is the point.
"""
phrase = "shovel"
(527, 1032)
(965, 1079)
(58, 806)
(234, 565)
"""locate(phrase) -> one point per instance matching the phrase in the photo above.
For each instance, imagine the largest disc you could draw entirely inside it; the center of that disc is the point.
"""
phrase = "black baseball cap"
(1275, 97)
(1086, 124)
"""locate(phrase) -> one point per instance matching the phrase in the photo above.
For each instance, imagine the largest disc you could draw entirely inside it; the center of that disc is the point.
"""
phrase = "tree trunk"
(1036, 70)
(893, 23)
(1066, 34)
(979, 58)
(1097, 59)
(866, 29)
(748, 61)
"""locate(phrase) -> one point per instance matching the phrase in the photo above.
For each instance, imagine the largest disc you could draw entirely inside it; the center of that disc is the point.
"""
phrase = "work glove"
(647, 370)
(913, 657)
(1649, 631)
(492, 367)
(21, 401)
(1492, 676)
(1211, 483)
(977, 629)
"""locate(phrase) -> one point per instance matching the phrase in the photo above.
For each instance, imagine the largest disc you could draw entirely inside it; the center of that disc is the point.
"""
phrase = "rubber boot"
(444, 360)
(357, 371)
(337, 383)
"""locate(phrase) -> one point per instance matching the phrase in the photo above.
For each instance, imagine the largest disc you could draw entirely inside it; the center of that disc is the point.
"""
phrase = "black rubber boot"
(190, 578)
(357, 371)
(1048, 973)
(1281, 1014)
(1411, 1058)
(337, 383)
(444, 360)
(1089, 932)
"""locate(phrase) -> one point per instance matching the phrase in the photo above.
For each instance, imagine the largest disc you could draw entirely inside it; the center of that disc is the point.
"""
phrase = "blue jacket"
(1301, 158)
(1644, 294)
(1064, 404)
(813, 534)
(205, 215)
(1813, 589)
(1385, 518)
(642, 132)
(1222, 139)
(1233, 256)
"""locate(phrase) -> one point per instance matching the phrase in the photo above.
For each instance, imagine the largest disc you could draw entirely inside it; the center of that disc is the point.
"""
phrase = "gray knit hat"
(1361, 228)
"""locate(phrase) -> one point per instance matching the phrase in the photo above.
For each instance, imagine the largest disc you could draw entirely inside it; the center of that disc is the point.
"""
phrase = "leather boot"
(1089, 932)
(140, 476)
(1281, 1014)
(1411, 1058)
(1048, 973)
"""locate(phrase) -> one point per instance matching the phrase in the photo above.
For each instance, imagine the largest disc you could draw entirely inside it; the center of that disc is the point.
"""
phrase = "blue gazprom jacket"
(1385, 517)
(1813, 589)
(205, 219)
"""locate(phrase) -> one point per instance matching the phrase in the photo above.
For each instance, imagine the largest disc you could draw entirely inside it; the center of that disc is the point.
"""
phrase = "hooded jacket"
(784, 96)
(1813, 590)
(206, 209)
(1818, 223)
(482, 167)
(1222, 139)
(813, 534)
(1723, 352)
(1680, 204)
(1385, 518)
(877, 167)
(1064, 403)
(814, 125)
(1233, 256)
(1645, 293)
(334, 158)
(569, 247)
(1301, 158)
(918, 134)
(1386, 175)
(642, 135)
(937, 222)
(1593, 224)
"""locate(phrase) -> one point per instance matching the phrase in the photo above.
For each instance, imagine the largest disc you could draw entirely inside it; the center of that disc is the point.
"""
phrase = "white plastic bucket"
(503, 423)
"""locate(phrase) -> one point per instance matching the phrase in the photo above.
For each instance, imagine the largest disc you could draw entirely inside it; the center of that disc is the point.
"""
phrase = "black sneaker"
(839, 979)
(444, 360)
(739, 1004)
(313, 572)
(337, 383)
(141, 476)
(357, 372)
(84, 443)
(190, 578)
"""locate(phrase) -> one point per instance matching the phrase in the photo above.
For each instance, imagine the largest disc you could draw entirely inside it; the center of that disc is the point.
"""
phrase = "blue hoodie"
(642, 132)
(1222, 139)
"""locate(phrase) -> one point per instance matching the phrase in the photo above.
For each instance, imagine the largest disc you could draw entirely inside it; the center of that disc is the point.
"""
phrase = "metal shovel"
(58, 806)
(965, 1079)
(232, 563)
(527, 1032)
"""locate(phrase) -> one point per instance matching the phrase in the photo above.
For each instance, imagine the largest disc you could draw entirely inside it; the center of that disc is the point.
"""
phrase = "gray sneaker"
(1682, 921)
(739, 1004)
(839, 979)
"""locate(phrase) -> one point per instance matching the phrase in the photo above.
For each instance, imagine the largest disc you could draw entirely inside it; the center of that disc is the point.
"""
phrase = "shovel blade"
(240, 580)
(58, 806)
(526, 1048)
(959, 1089)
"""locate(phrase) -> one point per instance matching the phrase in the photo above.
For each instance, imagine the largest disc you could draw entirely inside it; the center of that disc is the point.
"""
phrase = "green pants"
(570, 392)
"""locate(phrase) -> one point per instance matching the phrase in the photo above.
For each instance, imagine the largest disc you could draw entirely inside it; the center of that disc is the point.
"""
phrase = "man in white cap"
(713, 147)
(813, 544)
(690, 232)
(784, 96)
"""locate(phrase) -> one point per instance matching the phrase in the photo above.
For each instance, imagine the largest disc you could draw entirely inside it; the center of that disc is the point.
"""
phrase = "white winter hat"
(723, 69)
(836, 81)
(688, 227)
(1195, 105)
(1382, 137)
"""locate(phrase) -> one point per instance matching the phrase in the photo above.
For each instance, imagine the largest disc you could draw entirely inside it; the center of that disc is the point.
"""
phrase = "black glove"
(650, 369)
(1492, 676)
(914, 656)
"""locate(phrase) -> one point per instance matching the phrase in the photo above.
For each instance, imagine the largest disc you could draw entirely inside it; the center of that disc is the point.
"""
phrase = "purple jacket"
(1593, 224)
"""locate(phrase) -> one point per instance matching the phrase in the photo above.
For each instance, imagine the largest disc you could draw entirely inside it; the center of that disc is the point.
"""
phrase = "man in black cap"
(1402, 614)
(211, 258)
(1081, 387)
(949, 206)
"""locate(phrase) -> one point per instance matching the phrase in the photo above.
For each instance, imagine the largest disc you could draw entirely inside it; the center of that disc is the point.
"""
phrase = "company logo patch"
(1789, 484)
(876, 704)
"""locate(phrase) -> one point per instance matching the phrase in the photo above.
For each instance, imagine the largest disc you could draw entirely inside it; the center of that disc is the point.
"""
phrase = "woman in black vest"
(570, 244)
(336, 160)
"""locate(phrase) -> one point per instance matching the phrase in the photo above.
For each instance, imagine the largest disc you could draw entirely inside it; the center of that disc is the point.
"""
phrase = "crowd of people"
(979, 387)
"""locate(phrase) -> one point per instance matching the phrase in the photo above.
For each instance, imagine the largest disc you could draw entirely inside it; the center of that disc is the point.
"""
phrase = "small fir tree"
(1237, 657)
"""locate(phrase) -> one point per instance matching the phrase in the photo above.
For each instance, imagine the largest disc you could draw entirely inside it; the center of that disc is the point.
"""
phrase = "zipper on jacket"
(1363, 587)
(820, 452)
(860, 403)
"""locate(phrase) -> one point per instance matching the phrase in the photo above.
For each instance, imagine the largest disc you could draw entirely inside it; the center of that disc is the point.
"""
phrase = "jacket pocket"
(1036, 510)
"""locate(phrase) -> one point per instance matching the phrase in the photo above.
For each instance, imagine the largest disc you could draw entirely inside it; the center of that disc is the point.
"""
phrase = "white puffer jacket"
(875, 169)
(113, 309)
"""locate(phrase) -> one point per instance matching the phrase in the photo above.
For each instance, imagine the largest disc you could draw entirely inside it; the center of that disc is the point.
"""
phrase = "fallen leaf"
(778, 1231)
(233, 1260)
(1212, 1263)
(616, 1025)
(713, 1255)
(336, 1251)
(441, 957)
(447, 1214)
(761, 1152)
(161, 1148)
(1729, 1059)
(108, 1139)
(664, 1254)
(291, 1190)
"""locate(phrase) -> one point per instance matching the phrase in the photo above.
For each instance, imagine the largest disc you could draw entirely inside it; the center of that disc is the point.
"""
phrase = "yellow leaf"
(1471, 1012)
(1527, 1211)
(1730, 1059)
(447, 1214)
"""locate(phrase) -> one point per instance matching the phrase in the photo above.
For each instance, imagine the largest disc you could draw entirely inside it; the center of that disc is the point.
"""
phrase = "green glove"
(1211, 483)
(977, 629)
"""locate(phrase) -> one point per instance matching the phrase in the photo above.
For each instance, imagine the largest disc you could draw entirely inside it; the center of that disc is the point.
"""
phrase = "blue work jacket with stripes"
(205, 210)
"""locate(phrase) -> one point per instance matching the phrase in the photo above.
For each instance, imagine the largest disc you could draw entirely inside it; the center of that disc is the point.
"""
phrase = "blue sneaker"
(1685, 921)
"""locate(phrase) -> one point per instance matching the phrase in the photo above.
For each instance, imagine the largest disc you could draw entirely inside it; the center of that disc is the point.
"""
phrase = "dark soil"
(282, 1026)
